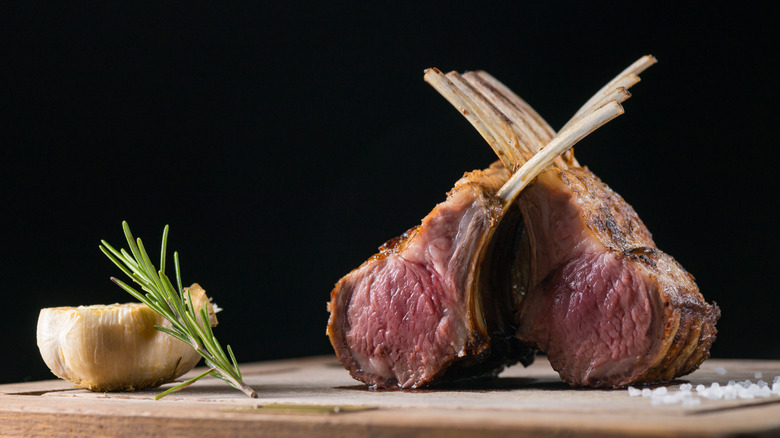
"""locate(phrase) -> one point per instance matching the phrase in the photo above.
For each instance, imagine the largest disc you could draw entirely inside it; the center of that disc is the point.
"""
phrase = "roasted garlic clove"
(115, 347)
(199, 298)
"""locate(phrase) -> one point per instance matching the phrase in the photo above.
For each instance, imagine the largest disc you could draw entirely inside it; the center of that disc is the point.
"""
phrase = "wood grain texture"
(522, 400)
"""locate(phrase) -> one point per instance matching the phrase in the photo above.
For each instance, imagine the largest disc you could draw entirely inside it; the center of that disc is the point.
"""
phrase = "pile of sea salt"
(687, 396)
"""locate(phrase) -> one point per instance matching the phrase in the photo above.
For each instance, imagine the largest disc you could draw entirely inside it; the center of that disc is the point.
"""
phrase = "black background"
(283, 145)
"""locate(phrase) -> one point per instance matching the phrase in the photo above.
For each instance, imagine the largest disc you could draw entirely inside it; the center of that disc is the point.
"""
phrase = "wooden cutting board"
(316, 397)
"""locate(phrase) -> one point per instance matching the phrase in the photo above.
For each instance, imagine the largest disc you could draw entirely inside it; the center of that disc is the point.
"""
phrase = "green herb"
(173, 304)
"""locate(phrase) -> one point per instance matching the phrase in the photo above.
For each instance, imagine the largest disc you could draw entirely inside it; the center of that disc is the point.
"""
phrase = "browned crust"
(486, 351)
(607, 214)
(689, 324)
(686, 321)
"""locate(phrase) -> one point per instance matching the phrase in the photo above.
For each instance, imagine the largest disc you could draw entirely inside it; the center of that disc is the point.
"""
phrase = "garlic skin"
(115, 347)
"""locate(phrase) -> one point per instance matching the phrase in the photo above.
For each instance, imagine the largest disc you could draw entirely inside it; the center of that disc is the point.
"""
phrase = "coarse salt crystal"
(758, 375)
(691, 401)
(746, 390)
(714, 392)
(720, 370)
(745, 394)
(730, 392)
(759, 391)
(670, 399)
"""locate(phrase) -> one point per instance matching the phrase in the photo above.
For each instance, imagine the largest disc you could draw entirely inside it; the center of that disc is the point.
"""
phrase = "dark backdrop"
(283, 145)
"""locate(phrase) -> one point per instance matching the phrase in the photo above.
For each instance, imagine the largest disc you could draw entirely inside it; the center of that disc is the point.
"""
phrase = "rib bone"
(521, 138)
(520, 114)
(483, 116)
(562, 142)
(626, 79)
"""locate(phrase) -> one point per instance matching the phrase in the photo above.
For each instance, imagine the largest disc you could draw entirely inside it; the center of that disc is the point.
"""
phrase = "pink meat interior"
(406, 318)
(403, 321)
(595, 318)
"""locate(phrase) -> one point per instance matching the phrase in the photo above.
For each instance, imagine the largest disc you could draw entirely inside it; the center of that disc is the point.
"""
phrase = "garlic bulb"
(115, 347)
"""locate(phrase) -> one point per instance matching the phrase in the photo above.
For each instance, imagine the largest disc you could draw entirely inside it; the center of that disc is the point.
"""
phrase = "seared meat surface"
(606, 305)
(533, 253)
(414, 314)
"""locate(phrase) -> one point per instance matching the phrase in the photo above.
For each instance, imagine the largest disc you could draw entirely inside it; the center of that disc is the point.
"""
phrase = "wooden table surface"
(316, 397)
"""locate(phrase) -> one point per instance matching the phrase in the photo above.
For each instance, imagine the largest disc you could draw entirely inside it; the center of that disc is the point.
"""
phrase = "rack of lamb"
(534, 252)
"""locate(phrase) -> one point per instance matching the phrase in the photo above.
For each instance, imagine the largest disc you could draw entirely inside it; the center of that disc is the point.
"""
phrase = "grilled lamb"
(414, 313)
(606, 305)
(438, 303)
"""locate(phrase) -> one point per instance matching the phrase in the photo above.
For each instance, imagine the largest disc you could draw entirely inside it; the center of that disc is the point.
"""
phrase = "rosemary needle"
(173, 304)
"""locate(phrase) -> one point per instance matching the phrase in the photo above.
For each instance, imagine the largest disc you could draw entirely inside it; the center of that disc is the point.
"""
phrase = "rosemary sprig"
(173, 304)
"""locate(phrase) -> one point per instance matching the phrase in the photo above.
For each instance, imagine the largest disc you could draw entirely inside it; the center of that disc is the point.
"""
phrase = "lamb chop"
(596, 294)
(438, 303)
(415, 313)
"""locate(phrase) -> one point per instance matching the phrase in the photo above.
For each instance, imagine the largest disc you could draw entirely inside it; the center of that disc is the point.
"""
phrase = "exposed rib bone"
(506, 109)
(507, 123)
(618, 95)
(534, 120)
(490, 116)
(563, 141)
(496, 132)
(626, 79)
(538, 124)
(521, 138)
